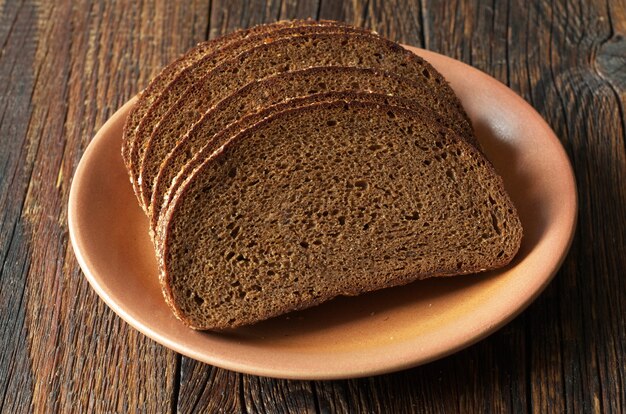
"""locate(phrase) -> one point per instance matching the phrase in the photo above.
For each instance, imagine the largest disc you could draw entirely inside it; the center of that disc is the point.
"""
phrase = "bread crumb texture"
(331, 199)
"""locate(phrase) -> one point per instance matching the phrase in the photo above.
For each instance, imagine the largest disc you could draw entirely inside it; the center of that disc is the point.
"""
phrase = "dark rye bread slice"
(204, 127)
(350, 49)
(169, 73)
(330, 199)
(160, 164)
(195, 72)
(283, 87)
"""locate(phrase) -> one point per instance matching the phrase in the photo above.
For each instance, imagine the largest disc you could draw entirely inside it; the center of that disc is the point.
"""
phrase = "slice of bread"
(171, 71)
(300, 52)
(335, 198)
(157, 219)
(161, 163)
(195, 72)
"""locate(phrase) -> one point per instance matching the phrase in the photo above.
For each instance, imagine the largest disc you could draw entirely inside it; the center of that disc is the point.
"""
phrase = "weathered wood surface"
(66, 66)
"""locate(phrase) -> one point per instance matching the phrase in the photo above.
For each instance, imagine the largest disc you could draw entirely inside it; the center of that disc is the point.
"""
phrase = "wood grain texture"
(66, 66)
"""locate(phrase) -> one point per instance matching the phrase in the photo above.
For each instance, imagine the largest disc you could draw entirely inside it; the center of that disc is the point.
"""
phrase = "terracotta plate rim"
(362, 364)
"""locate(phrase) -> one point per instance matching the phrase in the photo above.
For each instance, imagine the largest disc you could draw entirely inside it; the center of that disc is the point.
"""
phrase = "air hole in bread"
(494, 223)
(413, 216)
(234, 232)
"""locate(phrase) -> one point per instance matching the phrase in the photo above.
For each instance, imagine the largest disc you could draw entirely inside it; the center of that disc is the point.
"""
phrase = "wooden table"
(66, 66)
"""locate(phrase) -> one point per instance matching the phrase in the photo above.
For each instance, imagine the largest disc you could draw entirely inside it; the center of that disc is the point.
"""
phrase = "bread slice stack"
(287, 164)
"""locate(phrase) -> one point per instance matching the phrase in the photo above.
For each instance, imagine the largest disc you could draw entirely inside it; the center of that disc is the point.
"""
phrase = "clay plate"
(376, 333)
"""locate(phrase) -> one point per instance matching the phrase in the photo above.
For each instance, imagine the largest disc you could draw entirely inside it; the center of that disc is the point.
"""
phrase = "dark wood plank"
(227, 16)
(578, 367)
(208, 389)
(83, 356)
(298, 9)
(64, 68)
(18, 38)
(352, 12)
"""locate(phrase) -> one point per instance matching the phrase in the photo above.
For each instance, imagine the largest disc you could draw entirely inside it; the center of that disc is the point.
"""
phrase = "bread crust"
(217, 83)
(161, 80)
(194, 71)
